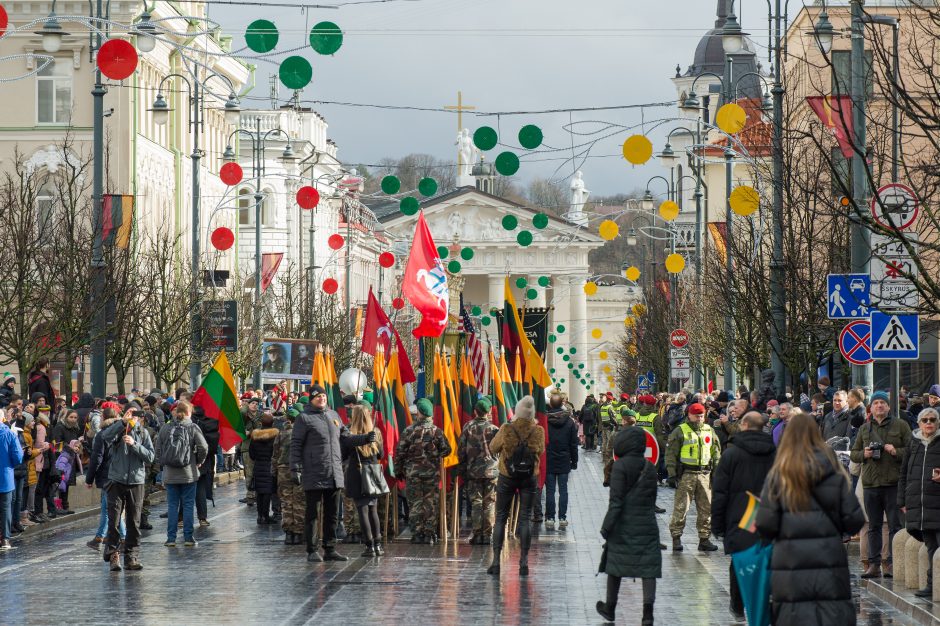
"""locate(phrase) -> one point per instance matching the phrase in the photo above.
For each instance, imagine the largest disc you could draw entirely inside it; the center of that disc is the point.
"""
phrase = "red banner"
(836, 114)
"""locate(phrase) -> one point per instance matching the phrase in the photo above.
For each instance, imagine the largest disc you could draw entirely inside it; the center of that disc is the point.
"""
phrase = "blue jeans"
(17, 505)
(550, 481)
(103, 518)
(174, 495)
(6, 514)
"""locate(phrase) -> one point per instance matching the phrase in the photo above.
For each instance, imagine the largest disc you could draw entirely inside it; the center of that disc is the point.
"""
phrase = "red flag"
(269, 264)
(836, 114)
(379, 331)
(425, 283)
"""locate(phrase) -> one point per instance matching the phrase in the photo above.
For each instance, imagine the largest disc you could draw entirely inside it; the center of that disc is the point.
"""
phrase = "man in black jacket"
(590, 413)
(742, 469)
(38, 381)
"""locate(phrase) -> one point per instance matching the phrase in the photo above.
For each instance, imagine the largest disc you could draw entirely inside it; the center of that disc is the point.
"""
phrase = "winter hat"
(8, 377)
(934, 391)
(879, 395)
(425, 407)
(696, 409)
(806, 407)
(316, 390)
(365, 404)
(482, 406)
(525, 408)
(28, 419)
(771, 403)
(292, 412)
(722, 397)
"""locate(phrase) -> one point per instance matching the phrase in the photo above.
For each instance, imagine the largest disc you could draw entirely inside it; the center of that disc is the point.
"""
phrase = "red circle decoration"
(386, 259)
(231, 174)
(222, 238)
(330, 286)
(308, 197)
(117, 59)
(336, 241)
(4, 20)
(398, 304)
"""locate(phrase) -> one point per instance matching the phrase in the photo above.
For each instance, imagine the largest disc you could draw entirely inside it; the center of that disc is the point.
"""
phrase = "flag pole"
(456, 521)
(395, 518)
(443, 505)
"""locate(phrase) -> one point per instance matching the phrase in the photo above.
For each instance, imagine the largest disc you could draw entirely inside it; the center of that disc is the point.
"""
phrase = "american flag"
(474, 350)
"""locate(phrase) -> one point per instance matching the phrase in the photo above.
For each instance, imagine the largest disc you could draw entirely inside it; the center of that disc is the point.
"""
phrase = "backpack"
(177, 452)
(521, 463)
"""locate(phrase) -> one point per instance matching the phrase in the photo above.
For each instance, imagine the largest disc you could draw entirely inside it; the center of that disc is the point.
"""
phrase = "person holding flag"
(478, 468)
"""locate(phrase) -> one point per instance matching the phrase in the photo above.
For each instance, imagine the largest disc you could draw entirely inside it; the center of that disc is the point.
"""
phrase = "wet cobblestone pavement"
(241, 573)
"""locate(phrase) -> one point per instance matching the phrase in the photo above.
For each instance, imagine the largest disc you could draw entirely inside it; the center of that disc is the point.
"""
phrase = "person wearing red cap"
(692, 451)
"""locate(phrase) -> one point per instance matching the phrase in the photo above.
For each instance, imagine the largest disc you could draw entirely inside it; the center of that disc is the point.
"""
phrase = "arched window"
(246, 208)
(45, 207)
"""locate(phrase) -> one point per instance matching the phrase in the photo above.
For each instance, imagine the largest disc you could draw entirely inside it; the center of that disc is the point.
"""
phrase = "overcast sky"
(504, 55)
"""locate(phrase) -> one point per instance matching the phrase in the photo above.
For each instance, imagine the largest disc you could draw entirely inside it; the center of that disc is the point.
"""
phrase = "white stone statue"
(468, 153)
(579, 196)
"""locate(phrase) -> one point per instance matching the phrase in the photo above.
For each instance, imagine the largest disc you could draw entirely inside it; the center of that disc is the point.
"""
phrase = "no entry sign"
(679, 338)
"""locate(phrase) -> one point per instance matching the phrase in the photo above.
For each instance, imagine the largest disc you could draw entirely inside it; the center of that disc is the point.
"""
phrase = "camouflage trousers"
(249, 473)
(607, 453)
(423, 497)
(482, 495)
(293, 502)
(692, 486)
(350, 516)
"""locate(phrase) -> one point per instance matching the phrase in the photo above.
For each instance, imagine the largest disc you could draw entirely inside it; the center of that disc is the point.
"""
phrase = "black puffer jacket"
(916, 490)
(84, 406)
(210, 430)
(355, 460)
(38, 382)
(315, 448)
(261, 450)
(809, 569)
(632, 548)
(562, 452)
(742, 468)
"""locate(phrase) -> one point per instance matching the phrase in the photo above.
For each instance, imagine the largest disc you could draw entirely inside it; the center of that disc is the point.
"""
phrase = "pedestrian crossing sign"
(895, 337)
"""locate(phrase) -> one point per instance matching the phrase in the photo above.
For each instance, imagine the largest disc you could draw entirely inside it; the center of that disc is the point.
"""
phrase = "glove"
(296, 477)
(372, 437)
(574, 467)
(672, 482)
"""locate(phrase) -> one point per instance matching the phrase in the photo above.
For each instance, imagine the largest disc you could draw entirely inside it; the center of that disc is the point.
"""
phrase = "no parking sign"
(855, 342)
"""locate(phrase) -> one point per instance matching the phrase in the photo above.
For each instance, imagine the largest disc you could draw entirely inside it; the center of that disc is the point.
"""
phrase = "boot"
(604, 611)
(474, 540)
(369, 552)
(647, 615)
(494, 566)
(377, 546)
(330, 554)
(677, 544)
(115, 561)
(417, 538)
(144, 524)
(926, 592)
(95, 544)
(314, 557)
(704, 545)
(888, 571)
(288, 539)
(659, 509)
(132, 563)
(873, 571)
(524, 565)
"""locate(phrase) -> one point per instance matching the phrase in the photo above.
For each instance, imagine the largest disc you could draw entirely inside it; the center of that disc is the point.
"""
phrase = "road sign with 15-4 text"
(848, 296)
(855, 342)
(895, 336)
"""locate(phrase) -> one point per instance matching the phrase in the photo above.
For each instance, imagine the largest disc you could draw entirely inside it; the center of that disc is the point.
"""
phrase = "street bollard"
(922, 564)
(897, 549)
(911, 563)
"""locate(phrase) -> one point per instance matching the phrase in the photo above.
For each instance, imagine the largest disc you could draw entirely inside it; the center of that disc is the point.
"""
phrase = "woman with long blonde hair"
(357, 458)
(807, 505)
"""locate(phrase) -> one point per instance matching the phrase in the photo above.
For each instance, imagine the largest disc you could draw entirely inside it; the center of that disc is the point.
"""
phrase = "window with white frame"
(54, 93)
(246, 208)
(45, 206)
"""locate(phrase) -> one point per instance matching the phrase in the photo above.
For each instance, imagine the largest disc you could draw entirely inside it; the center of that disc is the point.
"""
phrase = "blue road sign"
(894, 336)
(642, 383)
(848, 296)
(855, 342)
(651, 377)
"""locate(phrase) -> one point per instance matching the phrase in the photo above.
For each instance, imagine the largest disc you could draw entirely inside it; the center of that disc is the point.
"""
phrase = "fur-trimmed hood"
(262, 434)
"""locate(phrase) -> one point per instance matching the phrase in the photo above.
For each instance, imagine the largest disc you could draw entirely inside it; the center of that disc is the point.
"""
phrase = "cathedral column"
(496, 293)
(578, 332)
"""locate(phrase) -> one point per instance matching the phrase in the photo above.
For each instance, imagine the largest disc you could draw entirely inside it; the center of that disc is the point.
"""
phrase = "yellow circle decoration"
(603, 355)
(731, 118)
(608, 230)
(607, 369)
(590, 288)
(629, 322)
(639, 309)
(669, 210)
(596, 333)
(631, 350)
(637, 149)
(675, 263)
(633, 273)
(744, 200)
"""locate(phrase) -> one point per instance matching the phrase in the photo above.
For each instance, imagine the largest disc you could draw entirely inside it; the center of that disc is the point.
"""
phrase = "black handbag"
(372, 478)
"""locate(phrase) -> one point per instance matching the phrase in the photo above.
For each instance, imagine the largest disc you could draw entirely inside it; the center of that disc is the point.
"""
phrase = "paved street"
(241, 573)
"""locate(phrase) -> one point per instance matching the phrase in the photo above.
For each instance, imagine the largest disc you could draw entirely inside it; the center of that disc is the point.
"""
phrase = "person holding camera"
(880, 447)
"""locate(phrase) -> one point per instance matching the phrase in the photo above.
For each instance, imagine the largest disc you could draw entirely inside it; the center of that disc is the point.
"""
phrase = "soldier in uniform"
(611, 424)
(692, 451)
(479, 469)
(418, 455)
(291, 495)
(251, 418)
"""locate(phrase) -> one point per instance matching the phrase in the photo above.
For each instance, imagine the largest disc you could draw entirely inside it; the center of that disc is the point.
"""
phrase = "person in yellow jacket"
(692, 451)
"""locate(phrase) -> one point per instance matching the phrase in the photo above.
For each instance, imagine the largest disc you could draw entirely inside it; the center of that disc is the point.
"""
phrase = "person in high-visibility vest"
(692, 451)
(648, 418)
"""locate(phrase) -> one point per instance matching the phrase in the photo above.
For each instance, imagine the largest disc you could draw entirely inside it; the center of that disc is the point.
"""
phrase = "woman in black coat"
(806, 507)
(356, 459)
(261, 451)
(919, 489)
(210, 430)
(629, 528)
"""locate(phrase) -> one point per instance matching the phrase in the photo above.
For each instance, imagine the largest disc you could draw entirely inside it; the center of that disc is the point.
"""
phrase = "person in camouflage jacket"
(479, 469)
(292, 497)
(418, 457)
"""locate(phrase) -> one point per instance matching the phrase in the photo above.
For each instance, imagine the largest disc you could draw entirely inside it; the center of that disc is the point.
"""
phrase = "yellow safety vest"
(696, 446)
(608, 415)
(646, 422)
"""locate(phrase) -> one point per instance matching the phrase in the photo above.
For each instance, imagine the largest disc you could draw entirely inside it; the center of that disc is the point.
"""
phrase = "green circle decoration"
(573, 350)
(530, 136)
(466, 254)
(295, 72)
(427, 187)
(540, 220)
(521, 282)
(560, 350)
(261, 36)
(588, 387)
(476, 311)
(561, 380)
(566, 358)
(485, 138)
(326, 38)
(391, 184)
(532, 294)
(442, 252)
(409, 205)
(510, 222)
(551, 371)
(544, 281)
(486, 321)
(571, 366)
(552, 338)
(453, 267)
(560, 329)
(580, 366)
(507, 163)
(524, 238)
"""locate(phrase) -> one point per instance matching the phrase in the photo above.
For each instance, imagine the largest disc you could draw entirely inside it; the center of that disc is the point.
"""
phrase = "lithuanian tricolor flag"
(402, 416)
(749, 519)
(502, 410)
(449, 367)
(442, 413)
(383, 411)
(468, 391)
(318, 375)
(509, 392)
(332, 387)
(218, 398)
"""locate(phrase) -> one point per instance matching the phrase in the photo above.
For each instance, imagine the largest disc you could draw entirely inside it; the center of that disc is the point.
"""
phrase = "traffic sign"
(895, 206)
(679, 338)
(893, 272)
(855, 342)
(678, 353)
(895, 336)
(682, 363)
(848, 296)
(652, 448)
(682, 374)
(651, 376)
(642, 383)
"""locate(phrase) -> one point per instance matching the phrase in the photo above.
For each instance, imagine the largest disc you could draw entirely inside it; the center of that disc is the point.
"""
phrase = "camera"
(876, 447)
